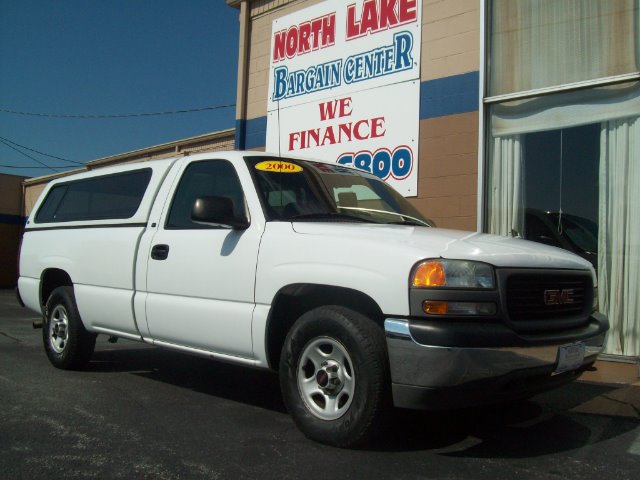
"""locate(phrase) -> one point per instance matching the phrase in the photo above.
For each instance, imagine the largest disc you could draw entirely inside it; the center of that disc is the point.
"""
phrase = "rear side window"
(115, 196)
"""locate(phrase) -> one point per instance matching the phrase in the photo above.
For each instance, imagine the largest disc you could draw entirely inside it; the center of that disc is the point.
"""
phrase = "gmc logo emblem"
(558, 297)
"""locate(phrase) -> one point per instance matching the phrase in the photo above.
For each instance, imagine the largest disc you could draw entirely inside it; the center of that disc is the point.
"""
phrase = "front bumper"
(469, 368)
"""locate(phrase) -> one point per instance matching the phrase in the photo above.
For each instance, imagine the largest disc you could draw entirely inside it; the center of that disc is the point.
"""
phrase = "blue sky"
(109, 57)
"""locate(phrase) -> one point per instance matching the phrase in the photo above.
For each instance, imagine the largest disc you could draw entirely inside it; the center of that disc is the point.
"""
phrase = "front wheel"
(67, 343)
(334, 376)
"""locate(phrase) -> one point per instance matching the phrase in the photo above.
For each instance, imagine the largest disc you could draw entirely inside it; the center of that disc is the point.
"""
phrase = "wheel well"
(52, 279)
(293, 301)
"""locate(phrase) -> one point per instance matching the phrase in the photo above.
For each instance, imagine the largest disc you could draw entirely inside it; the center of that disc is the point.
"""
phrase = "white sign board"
(344, 86)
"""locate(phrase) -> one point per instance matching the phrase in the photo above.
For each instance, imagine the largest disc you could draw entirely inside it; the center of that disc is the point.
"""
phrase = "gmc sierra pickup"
(319, 271)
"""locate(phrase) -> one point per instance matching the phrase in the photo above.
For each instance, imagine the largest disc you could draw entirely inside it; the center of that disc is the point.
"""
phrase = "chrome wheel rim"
(59, 329)
(326, 379)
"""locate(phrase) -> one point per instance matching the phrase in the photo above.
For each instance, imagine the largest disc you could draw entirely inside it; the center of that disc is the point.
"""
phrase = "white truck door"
(201, 278)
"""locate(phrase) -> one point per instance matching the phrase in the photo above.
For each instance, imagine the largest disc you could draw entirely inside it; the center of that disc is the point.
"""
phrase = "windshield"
(304, 190)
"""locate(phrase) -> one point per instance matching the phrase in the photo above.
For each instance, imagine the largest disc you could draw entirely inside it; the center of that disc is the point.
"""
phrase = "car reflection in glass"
(571, 232)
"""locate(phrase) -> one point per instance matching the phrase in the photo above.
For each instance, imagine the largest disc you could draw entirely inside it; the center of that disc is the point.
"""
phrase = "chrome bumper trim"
(431, 366)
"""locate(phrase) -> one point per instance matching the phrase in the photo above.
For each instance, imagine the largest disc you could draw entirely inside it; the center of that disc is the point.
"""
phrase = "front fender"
(287, 258)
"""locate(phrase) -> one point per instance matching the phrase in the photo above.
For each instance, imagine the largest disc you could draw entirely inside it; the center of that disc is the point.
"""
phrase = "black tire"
(352, 411)
(68, 344)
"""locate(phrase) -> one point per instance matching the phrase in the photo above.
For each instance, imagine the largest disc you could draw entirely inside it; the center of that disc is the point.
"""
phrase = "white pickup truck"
(322, 272)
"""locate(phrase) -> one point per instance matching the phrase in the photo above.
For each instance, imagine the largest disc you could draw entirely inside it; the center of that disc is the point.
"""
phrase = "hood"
(423, 242)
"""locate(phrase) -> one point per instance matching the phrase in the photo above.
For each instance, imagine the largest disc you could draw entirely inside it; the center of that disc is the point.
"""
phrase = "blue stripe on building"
(241, 126)
(256, 132)
(251, 133)
(449, 95)
(438, 98)
(12, 219)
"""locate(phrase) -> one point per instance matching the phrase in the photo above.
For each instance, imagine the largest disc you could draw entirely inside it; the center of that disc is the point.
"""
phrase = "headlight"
(452, 274)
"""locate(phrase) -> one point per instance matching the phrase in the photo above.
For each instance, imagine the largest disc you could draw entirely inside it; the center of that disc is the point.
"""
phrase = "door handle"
(160, 252)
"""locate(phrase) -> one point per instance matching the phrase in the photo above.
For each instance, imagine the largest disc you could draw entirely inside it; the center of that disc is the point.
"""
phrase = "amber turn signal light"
(429, 274)
(435, 308)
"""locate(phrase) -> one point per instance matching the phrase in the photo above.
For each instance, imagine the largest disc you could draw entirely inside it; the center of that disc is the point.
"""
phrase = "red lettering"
(293, 137)
(316, 28)
(369, 22)
(388, 17)
(327, 110)
(353, 27)
(379, 15)
(292, 41)
(346, 130)
(345, 107)
(356, 130)
(377, 127)
(279, 43)
(408, 11)
(363, 129)
(313, 135)
(328, 30)
(328, 137)
(305, 37)
(305, 32)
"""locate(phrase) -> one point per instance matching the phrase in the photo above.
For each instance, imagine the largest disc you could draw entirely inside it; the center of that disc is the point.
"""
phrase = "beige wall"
(448, 170)
(450, 38)
(31, 194)
(263, 13)
(448, 175)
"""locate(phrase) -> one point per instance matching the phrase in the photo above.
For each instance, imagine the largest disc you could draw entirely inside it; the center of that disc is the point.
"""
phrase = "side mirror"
(218, 212)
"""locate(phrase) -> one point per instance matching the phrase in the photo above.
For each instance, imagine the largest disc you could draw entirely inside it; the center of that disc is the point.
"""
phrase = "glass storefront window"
(560, 178)
(564, 170)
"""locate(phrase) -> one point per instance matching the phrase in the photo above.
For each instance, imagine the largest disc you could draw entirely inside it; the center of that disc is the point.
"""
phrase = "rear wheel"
(334, 376)
(67, 343)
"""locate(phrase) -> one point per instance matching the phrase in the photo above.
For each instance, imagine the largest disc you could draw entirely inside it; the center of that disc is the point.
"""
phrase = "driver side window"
(209, 178)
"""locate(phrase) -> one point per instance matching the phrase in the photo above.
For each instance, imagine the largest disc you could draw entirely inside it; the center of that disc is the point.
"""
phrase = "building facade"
(11, 225)
(526, 121)
(447, 98)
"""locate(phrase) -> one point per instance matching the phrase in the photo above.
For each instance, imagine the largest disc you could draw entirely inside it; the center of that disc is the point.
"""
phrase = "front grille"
(546, 297)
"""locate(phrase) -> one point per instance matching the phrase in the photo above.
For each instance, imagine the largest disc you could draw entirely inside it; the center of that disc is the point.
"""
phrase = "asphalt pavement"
(141, 412)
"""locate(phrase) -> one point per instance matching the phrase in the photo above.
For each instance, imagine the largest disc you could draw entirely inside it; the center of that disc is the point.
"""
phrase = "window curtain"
(619, 234)
(544, 43)
(506, 198)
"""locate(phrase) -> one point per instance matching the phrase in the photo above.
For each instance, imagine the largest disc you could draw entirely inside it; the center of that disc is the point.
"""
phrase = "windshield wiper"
(406, 219)
(327, 216)
(409, 221)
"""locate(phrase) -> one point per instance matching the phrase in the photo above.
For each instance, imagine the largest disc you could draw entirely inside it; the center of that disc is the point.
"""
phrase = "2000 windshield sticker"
(278, 166)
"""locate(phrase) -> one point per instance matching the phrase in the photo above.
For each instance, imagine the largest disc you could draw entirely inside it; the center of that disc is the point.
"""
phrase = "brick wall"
(448, 169)
(448, 175)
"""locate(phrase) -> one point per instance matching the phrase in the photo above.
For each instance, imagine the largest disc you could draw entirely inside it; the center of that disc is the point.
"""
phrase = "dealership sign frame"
(344, 86)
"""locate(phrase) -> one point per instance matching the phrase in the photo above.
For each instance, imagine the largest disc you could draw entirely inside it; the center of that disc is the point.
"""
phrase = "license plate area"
(570, 357)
